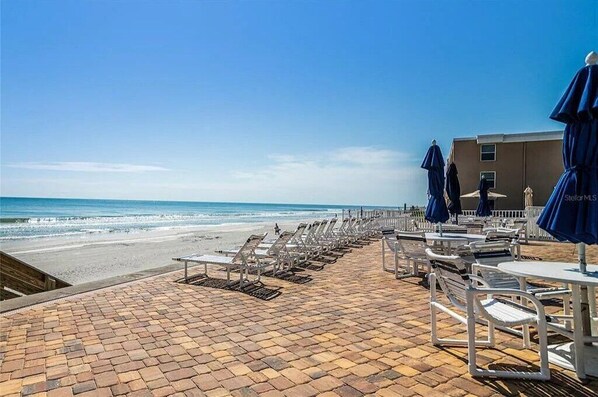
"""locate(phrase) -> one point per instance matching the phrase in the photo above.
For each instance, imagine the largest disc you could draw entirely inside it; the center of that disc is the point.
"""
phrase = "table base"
(563, 355)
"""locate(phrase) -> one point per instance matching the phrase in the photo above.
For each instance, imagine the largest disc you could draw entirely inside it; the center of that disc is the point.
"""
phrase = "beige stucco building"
(510, 162)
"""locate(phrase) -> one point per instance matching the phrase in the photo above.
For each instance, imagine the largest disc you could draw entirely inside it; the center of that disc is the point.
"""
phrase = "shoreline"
(96, 257)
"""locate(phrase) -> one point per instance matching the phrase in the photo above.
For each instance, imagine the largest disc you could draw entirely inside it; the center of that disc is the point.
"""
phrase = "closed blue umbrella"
(436, 211)
(484, 205)
(453, 191)
(571, 213)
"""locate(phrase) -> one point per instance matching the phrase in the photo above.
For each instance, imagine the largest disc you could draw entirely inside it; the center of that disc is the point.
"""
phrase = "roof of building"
(512, 138)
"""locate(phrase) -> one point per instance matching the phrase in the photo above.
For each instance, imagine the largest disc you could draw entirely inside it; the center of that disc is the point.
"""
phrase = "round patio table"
(449, 239)
(581, 355)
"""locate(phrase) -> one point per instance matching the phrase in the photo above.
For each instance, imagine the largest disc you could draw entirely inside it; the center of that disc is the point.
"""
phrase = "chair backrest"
(246, 252)
(350, 227)
(329, 230)
(452, 229)
(320, 231)
(451, 273)
(296, 239)
(502, 234)
(343, 227)
(390, 238)
(490, 254)
(475, 228)
(412, 244)
(307, 238)
(415, 224)
(280, 243)
(374, 224)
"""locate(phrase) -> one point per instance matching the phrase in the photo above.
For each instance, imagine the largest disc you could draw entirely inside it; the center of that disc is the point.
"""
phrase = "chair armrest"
(486, 267)
(510, 292)
(480, 280)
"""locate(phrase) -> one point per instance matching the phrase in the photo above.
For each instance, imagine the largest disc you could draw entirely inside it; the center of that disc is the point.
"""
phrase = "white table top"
(565, 272)
(448, 236)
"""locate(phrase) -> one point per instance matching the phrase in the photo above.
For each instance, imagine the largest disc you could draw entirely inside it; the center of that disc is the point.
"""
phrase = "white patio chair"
(505, 234)
(390, 242)
(488, 255)
(412, 249)
(478, 304)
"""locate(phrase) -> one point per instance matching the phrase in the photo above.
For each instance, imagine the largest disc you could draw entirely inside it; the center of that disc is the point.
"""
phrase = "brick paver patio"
(353, 330)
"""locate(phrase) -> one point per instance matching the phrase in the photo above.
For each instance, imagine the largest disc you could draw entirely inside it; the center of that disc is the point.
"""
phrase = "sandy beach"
(94, 257)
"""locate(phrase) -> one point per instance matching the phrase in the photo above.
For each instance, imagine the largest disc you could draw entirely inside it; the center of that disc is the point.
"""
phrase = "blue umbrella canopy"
(571, 213)
(484, 205)
(436, 210)
(453, 190)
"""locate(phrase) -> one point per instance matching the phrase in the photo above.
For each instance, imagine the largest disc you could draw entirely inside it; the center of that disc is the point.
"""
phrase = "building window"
(488, 152)
(490, 177)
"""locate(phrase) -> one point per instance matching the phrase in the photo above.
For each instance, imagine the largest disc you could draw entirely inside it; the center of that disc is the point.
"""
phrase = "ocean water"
(25, 218)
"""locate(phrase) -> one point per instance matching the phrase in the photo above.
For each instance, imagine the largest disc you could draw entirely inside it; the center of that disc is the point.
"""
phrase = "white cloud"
(82, 166)
(365, 155)
(347, 175)
(350, 175)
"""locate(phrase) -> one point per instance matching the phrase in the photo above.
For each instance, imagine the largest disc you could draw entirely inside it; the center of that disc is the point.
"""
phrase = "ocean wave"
(40, 227)
(14, 220)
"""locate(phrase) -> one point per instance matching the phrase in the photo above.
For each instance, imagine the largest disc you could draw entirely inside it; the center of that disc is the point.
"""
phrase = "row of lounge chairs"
(318, 240)
(478, 292)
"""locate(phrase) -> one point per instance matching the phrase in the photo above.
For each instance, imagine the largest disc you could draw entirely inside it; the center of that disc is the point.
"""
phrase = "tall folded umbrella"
(436, 211)
(484, 205)
(571, 213)
(453, 191)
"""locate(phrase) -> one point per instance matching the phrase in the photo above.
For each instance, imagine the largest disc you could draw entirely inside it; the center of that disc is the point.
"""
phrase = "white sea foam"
(40, 227)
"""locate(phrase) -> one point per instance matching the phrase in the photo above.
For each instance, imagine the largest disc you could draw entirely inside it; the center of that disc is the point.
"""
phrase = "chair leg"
(383, 256)
(471, 345)
(434, 330)
(567, 310)
(592, 303)
(491, 334)
(543, 345)
(414, 267)
(526, 339)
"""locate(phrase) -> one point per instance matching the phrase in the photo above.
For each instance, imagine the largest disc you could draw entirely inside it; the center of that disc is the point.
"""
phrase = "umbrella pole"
(440, 228)
(581, 249)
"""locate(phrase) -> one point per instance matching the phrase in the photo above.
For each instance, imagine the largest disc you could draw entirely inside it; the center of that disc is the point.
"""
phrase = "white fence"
(502, 214)
(404, 220)
(532, 214)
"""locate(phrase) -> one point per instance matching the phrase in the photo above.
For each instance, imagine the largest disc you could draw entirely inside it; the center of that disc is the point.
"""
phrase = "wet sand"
(94, 257)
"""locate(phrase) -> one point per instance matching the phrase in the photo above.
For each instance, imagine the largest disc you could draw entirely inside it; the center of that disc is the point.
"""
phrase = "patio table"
(448, 239)
(581, 355)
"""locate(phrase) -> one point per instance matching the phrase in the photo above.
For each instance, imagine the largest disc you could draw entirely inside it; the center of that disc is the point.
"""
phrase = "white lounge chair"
(243, 261)
(276, 251)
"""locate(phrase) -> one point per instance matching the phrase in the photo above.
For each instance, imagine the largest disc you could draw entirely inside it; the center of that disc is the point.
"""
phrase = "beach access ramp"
(18, 278)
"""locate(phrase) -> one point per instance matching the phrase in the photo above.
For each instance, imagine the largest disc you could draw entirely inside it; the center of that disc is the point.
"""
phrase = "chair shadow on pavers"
(560, 385)
(290, 276)
(255, 290)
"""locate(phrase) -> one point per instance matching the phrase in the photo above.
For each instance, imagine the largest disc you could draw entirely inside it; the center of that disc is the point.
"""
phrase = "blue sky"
(270, 101)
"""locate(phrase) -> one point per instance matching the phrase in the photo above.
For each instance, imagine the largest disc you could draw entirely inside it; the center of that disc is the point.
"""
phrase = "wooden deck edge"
(10, 305)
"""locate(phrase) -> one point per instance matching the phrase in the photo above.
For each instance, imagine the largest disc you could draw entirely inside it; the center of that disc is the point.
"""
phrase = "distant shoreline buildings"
(511, 163)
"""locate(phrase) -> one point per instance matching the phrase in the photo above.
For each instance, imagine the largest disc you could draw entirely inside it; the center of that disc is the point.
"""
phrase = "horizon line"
(204, 201)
